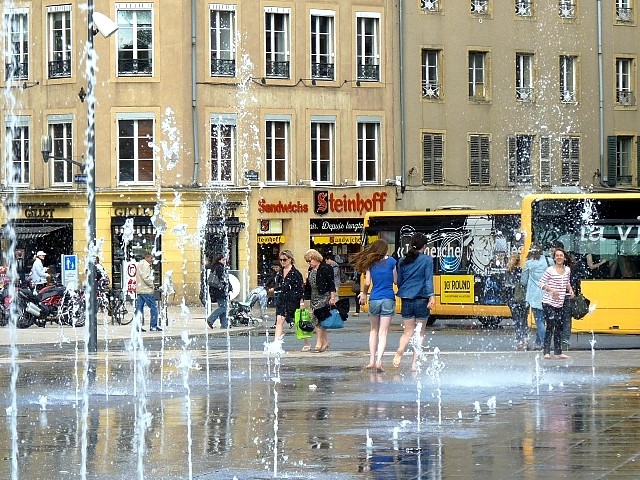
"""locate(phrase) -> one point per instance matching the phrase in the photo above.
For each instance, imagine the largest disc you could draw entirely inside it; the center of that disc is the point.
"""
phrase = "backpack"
(213, 280)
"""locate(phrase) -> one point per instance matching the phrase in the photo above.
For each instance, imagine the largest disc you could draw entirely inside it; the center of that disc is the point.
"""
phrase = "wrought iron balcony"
(134, 67)
(524, 94)
(523, 8)
(624, 14)
(277, 69)
(16, 71)
(369, 73)
(222, 67)
(323, 71)
(60, 68)
(567, 9)
(430, 90)
(625, 97)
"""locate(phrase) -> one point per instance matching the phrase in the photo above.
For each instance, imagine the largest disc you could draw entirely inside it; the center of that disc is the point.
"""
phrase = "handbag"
(303, 322)
(334, 320)
(580, 306)
(519, 293)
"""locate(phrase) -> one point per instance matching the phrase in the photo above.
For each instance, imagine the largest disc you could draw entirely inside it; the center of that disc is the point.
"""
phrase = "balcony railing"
(323, 71)
(567, 9)
(523, 8)
(222, 67)
(60, 69)
(429, 5)
(625, 98)
(16, 71)
(369, 73)
(134, 67)
(624, 14)
(480, 7)
(430, 90)
(277, 69)
(524, 94)
(568, 96)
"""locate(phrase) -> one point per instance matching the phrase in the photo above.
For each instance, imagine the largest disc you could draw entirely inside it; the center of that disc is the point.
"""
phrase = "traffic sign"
(69, 271)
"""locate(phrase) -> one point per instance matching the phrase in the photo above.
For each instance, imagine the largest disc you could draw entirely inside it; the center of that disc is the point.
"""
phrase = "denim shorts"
(385, 307)
(415, 308)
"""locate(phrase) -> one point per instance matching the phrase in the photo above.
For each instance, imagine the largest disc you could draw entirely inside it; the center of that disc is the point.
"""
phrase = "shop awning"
(337, 239)
(31, 231)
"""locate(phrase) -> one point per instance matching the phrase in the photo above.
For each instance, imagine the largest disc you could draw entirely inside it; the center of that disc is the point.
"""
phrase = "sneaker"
(356, 314)
(155, 329)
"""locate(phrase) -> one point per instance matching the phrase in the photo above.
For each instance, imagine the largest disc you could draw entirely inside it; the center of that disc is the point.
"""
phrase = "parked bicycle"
(117, 307)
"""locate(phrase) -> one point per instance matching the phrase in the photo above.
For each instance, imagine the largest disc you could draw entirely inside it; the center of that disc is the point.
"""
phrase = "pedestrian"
(556, 286)
(270, 285)
(517, 303)
(218, 283)
(144, 292)
(575, 278)
(356, 289)
(415, 288)
(534, 268)
(290, 284)
(380, 270)
(320, 290)
(329, 258)
(39, 275)
(102, 278)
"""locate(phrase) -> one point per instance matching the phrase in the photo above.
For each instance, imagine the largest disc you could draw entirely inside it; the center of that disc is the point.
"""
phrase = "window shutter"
(485, 159)
(433, 158)
(545, 161)
(511, 160)
(474, 159)
(612, 173)
(565, 176)
(574, 156)
(427, 158)
(438, 159)
(638, 158)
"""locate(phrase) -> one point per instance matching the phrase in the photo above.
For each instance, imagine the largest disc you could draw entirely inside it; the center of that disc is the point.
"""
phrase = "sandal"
(547, 356)
(562, 356)
(397, 360)
(306, 348)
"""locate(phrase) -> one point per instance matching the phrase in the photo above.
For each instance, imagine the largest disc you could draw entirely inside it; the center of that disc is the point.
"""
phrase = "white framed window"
(567, 8)
(432, 158)
(519, 149)
(224, 134)
(568, 79)
(368, 46)
(369, 148)
(524, 8)
(624, 11)
(277, 148)
(322, 148)
(477, 80)
(431, 73)
(624, 155)
(16, 44)
(61, 131)
(430, 5)
(545, 161)
(479, 159)
(223, 32)
(624, 92)
(17, 138)
(323, 44)
(570, 158)
(136, 164)
(276, 42)
(59, 39)
(524, 77)
(135, 39)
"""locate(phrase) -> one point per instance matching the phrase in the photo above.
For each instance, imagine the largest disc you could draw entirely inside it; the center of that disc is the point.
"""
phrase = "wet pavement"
(215, 407)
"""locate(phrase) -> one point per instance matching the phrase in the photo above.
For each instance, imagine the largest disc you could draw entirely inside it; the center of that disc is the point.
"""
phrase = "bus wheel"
(490, 322)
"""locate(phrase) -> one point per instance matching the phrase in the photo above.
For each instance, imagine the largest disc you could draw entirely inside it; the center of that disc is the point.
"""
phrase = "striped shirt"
(555, 281)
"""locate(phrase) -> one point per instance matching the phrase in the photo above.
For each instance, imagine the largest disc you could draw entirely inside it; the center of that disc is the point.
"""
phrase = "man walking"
(144, 291)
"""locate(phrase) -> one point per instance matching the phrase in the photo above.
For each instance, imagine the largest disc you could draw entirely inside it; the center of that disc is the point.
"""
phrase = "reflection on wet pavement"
(582, 421)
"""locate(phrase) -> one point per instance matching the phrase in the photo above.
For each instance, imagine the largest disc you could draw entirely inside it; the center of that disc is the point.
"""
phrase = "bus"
(601, 229)
(470, 249)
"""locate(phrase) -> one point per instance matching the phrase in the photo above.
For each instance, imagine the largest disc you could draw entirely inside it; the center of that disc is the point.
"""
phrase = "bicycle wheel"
(126, 312)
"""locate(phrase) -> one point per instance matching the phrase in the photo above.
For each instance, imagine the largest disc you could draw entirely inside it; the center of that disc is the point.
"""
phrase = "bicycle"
(114, 303)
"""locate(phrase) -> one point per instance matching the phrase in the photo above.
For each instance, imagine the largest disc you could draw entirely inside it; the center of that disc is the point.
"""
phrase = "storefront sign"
(457, 289)
(337, 239)
(143, 210)
(342, 225)
(280, 207)
(31, 212)
(251, 176)
(325, 202)
(270, 239)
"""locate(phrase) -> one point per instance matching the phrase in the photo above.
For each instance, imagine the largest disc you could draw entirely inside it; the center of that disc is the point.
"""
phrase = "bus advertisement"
(470, 249)
(601, 232)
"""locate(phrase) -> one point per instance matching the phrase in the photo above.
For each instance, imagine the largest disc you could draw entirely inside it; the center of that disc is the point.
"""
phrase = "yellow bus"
(601, 231)
(470, 249)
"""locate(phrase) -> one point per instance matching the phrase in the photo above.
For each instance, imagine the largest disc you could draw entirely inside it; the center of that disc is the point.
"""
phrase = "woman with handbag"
(320, 290)
(290, 285)
(380, 270)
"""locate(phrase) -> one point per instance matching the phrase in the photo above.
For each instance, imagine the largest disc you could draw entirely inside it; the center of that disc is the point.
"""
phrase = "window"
(368, 149)
(135, 151)
(368, 47)
(624, 150)
(570, 152)
(322, 48)
(624, 94)
(519, 158)
(61, 132)
(480, 7)
(477, 87)
(223, 148)
(524, 77)
(432, 158)
(135, 39)
(545, 161)
(567, 9)
(222, 20)
(276, 41)
(430, 5)
(624, 11)
(430, 74)
(16, 55)
(524, 8)
(479, 159)
(60, 42)
(567, 79)
(18, 138)
(322, 148)
(277, 150)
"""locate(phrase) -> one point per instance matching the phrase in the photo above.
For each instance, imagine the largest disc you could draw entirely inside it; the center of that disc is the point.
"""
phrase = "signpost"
(69, 271)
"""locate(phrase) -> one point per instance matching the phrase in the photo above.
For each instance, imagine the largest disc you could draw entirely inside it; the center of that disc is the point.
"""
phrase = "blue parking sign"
(69, 271)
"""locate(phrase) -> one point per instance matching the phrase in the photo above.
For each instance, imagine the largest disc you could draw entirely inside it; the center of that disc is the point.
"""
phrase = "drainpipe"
(194, 101)
(403, 161)
(603, 167)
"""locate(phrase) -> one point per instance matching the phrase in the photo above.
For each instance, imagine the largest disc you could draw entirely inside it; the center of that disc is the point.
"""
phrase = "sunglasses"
(284, 259)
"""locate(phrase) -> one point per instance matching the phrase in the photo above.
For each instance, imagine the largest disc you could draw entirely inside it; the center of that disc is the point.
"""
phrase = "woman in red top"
(555, 284)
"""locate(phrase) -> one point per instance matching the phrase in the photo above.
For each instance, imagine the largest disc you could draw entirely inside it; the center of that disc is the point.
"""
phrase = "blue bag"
(333, 321)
